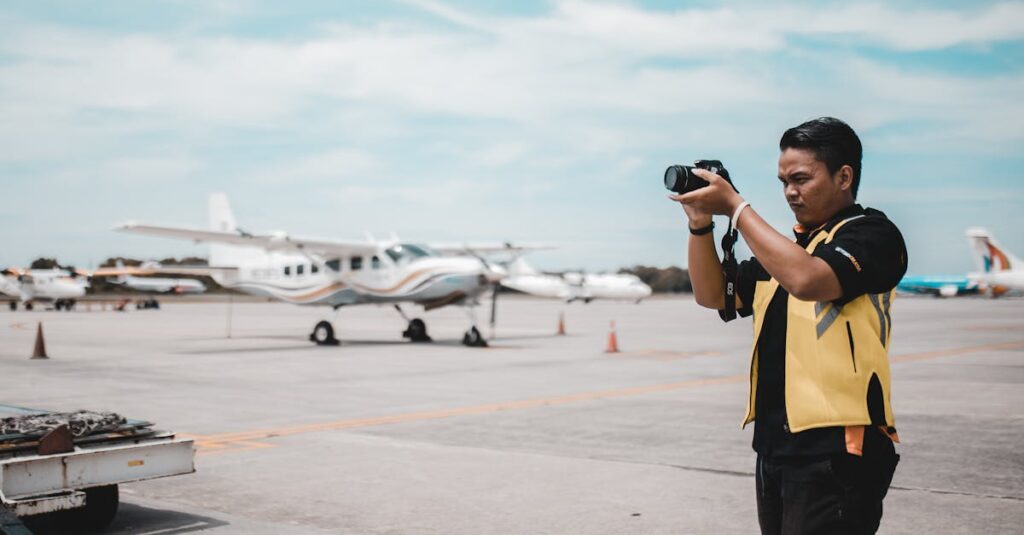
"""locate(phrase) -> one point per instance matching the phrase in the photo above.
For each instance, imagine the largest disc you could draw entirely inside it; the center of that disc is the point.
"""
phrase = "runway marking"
(229, 439)
(250, 440)
(19, 326)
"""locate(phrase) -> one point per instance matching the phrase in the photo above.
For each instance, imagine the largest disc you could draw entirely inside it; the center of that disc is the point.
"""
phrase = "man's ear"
(845, 176)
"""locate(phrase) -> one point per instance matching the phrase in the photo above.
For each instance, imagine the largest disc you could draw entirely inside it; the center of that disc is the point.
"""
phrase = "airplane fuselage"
(310, 280)
(162, 285)
(44, 285)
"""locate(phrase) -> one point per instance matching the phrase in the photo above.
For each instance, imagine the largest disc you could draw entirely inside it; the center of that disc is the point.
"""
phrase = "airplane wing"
(450, 249)
(197, 271)
(270, 242)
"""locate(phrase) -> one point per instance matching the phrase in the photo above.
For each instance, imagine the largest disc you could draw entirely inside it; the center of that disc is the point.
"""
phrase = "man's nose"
(791, 191)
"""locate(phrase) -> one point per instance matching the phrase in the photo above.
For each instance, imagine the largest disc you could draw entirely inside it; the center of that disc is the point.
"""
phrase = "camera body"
(680, 178)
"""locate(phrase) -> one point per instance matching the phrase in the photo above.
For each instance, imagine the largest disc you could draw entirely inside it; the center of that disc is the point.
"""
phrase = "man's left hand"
(718, 197)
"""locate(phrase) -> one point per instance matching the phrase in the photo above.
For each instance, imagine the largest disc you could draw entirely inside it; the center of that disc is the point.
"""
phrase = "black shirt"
(868, 255)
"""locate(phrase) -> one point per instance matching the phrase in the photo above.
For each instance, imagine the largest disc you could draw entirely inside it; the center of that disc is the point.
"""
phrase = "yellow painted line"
(247, 440)
(222, 440)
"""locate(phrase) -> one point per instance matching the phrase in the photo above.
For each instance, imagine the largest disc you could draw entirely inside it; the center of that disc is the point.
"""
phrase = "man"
(819, 385)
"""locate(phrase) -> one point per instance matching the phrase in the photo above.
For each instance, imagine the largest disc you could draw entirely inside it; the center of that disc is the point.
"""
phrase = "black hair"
(833, 143)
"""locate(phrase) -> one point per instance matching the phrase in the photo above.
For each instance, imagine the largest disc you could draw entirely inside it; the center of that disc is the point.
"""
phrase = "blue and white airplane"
(999, 272)
(938, 285)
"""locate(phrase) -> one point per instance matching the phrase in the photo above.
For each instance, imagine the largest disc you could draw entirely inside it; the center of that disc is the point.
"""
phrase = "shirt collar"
(803, 236)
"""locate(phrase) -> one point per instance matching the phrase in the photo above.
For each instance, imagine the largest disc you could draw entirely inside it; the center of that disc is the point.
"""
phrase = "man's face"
(812, 192)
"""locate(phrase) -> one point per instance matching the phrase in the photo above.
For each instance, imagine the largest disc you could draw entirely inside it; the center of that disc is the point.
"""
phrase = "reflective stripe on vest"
(832, 352)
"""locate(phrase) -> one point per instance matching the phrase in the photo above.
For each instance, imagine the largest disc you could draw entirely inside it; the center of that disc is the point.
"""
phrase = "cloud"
(486, 114)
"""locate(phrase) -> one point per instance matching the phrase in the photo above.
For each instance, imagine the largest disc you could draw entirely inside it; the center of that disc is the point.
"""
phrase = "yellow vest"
(831, 355)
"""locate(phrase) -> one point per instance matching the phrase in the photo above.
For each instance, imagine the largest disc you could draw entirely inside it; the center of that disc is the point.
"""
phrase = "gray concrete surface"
(538, 434)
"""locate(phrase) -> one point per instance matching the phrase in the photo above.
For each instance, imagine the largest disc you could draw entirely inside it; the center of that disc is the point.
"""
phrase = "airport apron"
(832, 354)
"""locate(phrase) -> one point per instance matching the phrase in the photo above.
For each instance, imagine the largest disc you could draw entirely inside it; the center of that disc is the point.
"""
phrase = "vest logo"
(853, 260)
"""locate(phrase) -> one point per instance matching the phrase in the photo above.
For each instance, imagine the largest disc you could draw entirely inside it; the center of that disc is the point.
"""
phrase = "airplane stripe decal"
(280, 292)
(393, 289)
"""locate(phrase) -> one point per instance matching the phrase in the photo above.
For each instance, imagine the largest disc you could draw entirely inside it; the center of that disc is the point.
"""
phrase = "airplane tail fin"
(518, 266)
(121, 277)
(223, 219)
(988, 254)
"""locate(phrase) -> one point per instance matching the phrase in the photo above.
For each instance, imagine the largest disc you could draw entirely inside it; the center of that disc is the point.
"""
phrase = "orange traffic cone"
(561, 324)
(39, 352)
(613, 340)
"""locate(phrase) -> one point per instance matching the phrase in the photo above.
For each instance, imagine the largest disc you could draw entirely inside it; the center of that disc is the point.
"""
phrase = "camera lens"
(675, 178)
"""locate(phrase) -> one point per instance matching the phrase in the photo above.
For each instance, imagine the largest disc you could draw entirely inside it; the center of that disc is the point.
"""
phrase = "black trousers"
(838, 494)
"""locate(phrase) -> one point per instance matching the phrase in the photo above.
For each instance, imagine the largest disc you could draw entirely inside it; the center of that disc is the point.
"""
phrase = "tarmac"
(537, 434)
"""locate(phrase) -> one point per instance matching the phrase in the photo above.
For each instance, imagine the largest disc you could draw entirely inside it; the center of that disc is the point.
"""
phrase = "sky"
(486, 121)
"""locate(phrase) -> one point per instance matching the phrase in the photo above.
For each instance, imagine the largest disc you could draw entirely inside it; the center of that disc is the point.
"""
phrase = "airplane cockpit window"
(406, 252)
(375, 262)
(287, 271)
(313, 268)
(299, 269)
(334, 264)
(356, 263)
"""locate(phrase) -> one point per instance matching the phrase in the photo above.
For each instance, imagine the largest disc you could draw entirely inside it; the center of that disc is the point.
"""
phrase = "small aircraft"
(29, 286)
(615, 286)
(333, 273)
(574, 286)
(1001, 271)
(161, 285)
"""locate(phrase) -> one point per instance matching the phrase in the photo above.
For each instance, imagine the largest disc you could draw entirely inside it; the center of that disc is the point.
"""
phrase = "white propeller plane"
(61, 286)
(335, 273)
(574, 286)
(614, 286)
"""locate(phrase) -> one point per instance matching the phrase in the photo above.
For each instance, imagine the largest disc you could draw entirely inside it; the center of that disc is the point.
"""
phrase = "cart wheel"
(99, 510)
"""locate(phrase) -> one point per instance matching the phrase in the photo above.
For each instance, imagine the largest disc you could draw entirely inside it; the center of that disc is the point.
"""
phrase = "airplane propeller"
(495, 286)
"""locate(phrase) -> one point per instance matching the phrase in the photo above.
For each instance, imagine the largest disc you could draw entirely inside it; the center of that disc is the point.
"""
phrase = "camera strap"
(729, 268)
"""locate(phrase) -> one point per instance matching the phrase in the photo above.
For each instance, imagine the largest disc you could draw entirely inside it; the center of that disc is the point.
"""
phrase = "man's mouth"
(795, 206)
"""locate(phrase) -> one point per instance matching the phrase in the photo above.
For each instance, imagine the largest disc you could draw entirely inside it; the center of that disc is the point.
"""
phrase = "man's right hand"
(697, 217)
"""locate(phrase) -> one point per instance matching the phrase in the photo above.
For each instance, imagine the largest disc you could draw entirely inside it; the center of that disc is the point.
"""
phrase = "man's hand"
(717, 198)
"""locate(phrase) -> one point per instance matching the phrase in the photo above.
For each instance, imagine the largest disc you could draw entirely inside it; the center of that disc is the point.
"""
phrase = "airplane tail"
(988, 254)
(518, 266)
(223, 219)
(121, 277)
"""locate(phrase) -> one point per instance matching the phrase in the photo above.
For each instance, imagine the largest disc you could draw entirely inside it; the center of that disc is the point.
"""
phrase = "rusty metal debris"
(80, 423)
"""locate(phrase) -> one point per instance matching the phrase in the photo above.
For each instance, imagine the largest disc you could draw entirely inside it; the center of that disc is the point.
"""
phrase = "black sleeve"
(747, 274)
(868, 255)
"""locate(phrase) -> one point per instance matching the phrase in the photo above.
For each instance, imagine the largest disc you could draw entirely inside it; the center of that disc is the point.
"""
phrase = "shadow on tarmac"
(131, 518)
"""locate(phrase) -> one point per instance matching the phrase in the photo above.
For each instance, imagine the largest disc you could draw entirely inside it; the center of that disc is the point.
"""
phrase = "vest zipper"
(853, 354)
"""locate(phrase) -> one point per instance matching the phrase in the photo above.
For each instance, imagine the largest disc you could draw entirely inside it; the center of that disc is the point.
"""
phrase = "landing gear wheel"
(69, 305)
(473, 338)
(99, 510)
(13, 305)
(58, 304)
(323, 334)
(417, 331)
(28, 306)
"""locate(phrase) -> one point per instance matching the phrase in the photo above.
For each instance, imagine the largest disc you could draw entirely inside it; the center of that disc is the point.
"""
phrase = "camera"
(680, 178)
